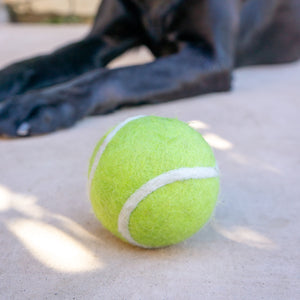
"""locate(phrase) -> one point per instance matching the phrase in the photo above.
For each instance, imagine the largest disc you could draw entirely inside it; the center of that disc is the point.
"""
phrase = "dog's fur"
(197, 43)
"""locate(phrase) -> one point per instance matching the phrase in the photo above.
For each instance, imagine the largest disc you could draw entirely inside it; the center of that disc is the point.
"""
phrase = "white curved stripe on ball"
(103, 146)
(154, 184)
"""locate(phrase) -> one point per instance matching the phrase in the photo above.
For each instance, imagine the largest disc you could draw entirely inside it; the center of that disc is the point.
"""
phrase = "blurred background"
(48, 11)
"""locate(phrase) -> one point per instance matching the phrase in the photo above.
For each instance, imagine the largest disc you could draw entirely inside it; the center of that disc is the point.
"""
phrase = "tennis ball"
(153, 181)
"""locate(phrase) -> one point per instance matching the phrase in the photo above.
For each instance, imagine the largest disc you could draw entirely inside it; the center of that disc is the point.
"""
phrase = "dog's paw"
(15, 80)
(37, 113)
(47, 119)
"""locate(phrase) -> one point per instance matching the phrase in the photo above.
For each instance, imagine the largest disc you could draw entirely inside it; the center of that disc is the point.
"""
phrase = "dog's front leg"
(112, 34)
(186, 73)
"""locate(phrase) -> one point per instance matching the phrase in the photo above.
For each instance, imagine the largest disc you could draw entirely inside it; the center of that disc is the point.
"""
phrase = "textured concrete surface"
(52, 246)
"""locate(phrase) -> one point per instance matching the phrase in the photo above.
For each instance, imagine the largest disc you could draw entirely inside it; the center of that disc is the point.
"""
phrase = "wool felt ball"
(153, 181)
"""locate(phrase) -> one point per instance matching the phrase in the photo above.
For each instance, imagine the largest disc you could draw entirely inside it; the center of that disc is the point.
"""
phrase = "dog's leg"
(186, 73)
(202, 63)
(112, 34)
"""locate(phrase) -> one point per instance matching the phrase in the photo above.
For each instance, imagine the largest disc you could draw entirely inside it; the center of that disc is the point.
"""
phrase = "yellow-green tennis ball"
(153, 181)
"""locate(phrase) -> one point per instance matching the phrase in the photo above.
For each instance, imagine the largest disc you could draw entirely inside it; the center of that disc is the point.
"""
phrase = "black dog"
(197, 43)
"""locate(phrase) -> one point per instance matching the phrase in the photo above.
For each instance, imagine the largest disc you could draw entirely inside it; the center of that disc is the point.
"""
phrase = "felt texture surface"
(53, 247)
(140, 151)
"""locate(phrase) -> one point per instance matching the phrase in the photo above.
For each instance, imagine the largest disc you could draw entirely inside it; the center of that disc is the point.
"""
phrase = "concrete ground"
(52, 246)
